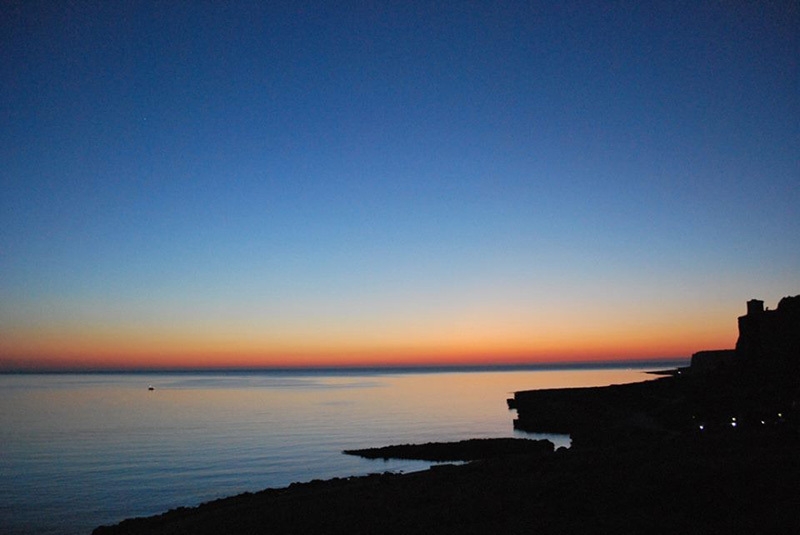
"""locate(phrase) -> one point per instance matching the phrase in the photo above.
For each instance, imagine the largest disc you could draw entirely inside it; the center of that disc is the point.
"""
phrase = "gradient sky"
(288, 183)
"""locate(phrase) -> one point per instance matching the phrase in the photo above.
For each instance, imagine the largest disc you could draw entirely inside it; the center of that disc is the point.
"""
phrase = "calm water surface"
(80, 450)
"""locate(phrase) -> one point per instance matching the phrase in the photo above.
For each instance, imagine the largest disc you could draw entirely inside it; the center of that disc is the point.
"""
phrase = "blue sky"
(389, 178)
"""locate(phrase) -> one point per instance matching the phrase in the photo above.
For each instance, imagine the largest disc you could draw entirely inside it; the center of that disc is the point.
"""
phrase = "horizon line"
(666, 362)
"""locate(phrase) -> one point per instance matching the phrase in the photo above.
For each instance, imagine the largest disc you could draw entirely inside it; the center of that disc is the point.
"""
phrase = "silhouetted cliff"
(757, 385)
(768, 343)
(769, 340)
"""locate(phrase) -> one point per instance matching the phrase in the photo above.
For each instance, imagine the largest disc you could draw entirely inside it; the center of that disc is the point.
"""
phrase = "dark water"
(80, 450)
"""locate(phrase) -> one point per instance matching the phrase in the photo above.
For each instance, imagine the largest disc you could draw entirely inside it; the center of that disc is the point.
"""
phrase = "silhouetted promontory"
(756, 385)
(711, 448)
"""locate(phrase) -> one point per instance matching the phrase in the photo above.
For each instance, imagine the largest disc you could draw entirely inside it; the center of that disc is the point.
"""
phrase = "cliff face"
(769, 340)
(756, 387)
(709, 361)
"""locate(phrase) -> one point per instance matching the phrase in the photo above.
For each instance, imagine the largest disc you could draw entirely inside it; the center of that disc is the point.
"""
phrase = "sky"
(227, 184)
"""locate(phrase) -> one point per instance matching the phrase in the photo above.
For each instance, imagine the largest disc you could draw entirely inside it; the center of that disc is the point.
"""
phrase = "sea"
(79, 450)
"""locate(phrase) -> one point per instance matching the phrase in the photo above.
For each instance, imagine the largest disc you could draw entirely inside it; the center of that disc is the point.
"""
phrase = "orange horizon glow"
(582, 336)
(178, 356)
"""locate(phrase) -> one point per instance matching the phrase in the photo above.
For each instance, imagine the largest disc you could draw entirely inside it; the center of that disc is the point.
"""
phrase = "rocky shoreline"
(709, 450)
(717, 484)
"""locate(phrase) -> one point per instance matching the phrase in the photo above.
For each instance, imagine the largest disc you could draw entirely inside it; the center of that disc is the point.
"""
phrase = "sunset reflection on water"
(84, 449)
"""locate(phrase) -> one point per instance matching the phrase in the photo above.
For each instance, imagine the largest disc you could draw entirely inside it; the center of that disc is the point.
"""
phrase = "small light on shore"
(702, 427)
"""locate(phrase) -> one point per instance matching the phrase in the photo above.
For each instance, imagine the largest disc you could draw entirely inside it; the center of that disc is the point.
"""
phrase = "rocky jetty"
(465, 450)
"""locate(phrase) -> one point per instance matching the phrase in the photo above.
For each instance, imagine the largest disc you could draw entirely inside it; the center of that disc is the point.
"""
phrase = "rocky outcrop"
(464, 450)
(596, 415)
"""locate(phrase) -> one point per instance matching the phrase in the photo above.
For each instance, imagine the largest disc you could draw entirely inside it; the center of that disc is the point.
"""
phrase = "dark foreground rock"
(723, 483)
(464, 450)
